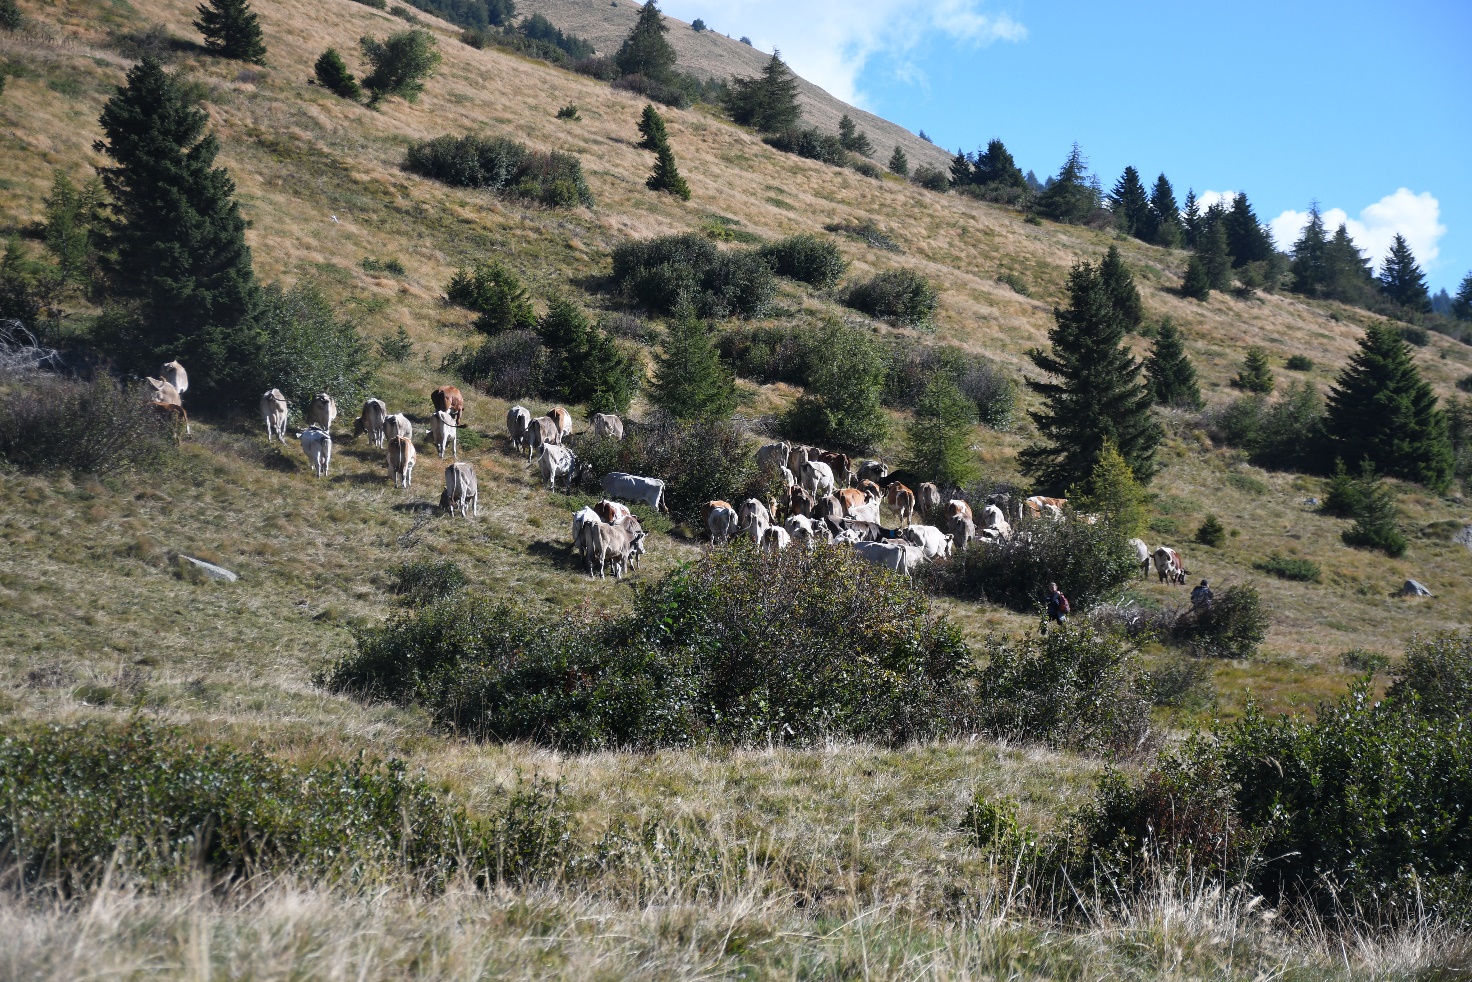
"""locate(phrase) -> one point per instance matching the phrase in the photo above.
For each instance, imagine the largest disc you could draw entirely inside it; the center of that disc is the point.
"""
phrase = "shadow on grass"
(558, 554)
(418, 508)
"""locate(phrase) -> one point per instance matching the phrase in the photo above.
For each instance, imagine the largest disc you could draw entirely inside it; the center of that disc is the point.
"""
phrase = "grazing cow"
(720, 521)
(274, 408)
(1038, 507)
(901, 557)
(158, 390)
(775, 540)
(401, 457)
(797, 456)
(853, 498)
(788, 480)
(518, 428)
(901, 502)
(447, 399)
(563, 419)
(317, 445)
(640, 490)
(321, 411)
(929, 538)
(610, 544)
(754, 519)
(371, 421)
(798, 502)
(772, 456)
(631, 525)
(542, 431)
(828, 507)
(817, 477)
(557, 462)
(581, 519)
(960, 522)
(462, 491)
(958, 507)
(994, 524)
(872, 470)
(841, 466)
(174, 374)
(612, 512)
(608, 426)
(177, 418)
(398, 425)
(444, 432)
(928, 499)
(1142, 556)
(804, 529)
(1170, 566)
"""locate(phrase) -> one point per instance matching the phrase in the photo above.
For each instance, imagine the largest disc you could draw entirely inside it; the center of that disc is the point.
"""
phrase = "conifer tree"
(1131, 206)
(651, 129)
(1462, 305)
(1347, 269)
(231, 30)
(1123, 295)
(1196, 284)
(174, 250)
(586, 366)
(10, 20)
(898, 162)
(1192, 218)
(938, 438)
(401, 64)
(962, 172)
(1310, 268)
(666, 176)
(1247, 240)
(842, 406)
(1069, 197)
(995, 166)
(767, 102)
(1382, 411)
(1166, 214)
(690, 380)
(1096, 393)
(1401, 279)
(854, 139)
(1112, 491)
(1211, 246)
(73, 218)
(334, 76)
(645, 51)
(1256, 374)
(1169, 370)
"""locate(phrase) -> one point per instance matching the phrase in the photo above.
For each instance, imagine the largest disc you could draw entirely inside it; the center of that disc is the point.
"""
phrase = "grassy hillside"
(102, 620)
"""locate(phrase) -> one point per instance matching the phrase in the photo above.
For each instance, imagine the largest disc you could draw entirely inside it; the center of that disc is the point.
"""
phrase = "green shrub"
(807, 258)
(1233, 626)
(52, 423)
(1417, 336)
(866, 231)
(661, 274)
(1299, 363)
(841, 407)
(569, 112)
(401, 64)
(309, 349)
(931, 179)
(333, 75)
(814, 144)
(496, 294)
(1436, 678)
(509, 365)
(898, 295)
(1182, 682)
(1211, 532)
(503, 166)
(396, 347)
(392, 266)
(772, 354)
(1372, 504)
(424, 581)
(911, 366)
(868, 168)
(1284, 434)
(1287, 568)
(10, 20)
(1360, 660)
(87, 801)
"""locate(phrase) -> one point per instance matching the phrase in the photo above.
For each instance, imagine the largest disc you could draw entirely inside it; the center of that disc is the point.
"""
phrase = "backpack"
(1063, 603)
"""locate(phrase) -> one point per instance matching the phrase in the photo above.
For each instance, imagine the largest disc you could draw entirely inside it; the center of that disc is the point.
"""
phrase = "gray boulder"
(1464, 537)
(210, 569)
(1414, 589)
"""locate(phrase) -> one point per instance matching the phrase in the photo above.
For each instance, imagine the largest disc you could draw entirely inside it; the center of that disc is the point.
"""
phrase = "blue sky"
(1366, 107)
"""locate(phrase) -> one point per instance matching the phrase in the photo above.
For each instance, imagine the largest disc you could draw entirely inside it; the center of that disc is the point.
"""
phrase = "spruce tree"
(1131, 207)
(1169, 370)
(1123, 295)
(1211, 246)
(1310, 267)
(842, 406)
(1401, 279)
(1247, 240)
(1096, 393)
(690, 380)
(651, 129)
(586, 366)
(767, 102)
(666, 176)
(1196, 284)
(938, 438)
(854, 139)
(962, 172)
(10, 20)
(1348, 272)
(1256, 375)
(174, 250)
(645, 51)
(1166, 214)
(334, 76)
(1069, 197)
(898, 162)
(401, 64)
(995, 166)
(1382, 411)
(1192, 218)
(1462, 305)
(1112, 491)
(231, 30)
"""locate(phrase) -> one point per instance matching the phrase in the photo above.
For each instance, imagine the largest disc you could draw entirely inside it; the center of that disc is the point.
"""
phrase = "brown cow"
(401, 458)
(901, 501)
(1037, 506)
(797, 456)
(563, 418)
(871, 489)
(798, 502)
(177, 418)
(611, 512)
(840, 464)
(928, 499)
(829, 507)
(447, 399)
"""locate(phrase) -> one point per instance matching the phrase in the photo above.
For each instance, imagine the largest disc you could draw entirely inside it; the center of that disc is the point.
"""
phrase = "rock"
(1464, 537)
(211, 570)
(1414, 589)
(1311, 502)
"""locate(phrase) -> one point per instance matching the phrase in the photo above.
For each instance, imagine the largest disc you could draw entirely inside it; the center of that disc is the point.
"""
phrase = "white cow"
(174, 374)
(610, 544)
(371, 421)
(804, 529)
(563, 419)
(994, 524)
(640, 490)
(788, 481)
(1170, 566)
(775, 540)
(867, 512)
(817, 478)
(631, 525)
(872, 470)
(401, 458)
(754, 519)
(581, 519)
(1142, 556)
(557, 462)
(398, 425)
(444, 432)
(275, 409)
(772, 456)
(518, 428)
(930, 539)
(721, 522)
(317, 445)
(462, 491)
(608, 426)
(901, 557)
(321, 411)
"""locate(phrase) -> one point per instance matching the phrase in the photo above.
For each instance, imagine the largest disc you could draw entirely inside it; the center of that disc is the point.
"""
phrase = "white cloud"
(829, 42)
(1206, 199)
(1415, 216)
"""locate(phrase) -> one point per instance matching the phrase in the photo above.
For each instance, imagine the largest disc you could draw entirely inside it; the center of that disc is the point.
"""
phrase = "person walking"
(1058, 608)
(1201, 597)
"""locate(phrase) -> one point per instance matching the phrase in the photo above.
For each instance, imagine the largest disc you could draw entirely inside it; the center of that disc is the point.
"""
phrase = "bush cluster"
(1372, 504)
(309, 349)
(1282, 434)
(423, 581)
(504, 166)
(813, 144)
(52, 423)
(931, 178)
(899, 295)
(808, 258)
(495, 293)
(509, 365)
(1290, 568)
(866, 231)
(912, 367)
(1436, 678)
(660, 275)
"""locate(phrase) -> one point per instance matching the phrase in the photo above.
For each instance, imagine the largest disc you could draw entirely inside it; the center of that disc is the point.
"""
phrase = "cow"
(868, 531)
(1038, 507)
(462, 491)
(543, 430)
(871, 490)
(828, 507)
(631, 525)
(872, 470)
(788, 480)
(798, 502)
(557, 462)
(611, 511)
(444, 432)
(176, 417)
(901, 557)
(321, 411)
(797, 456)
(841, 466)
(901, 502)
(563, 418)
(775, 540)
(803, 529)
(958, 507)
(1142, 556)
(401, 457)
(817, 477)
(1170, 566)
(960, 523)
(581, 519)
(607, 426)
(720, 521)
(929, 538)
(927, 499)
(447, 399)
(994, 523)
(275, 409)
(640, 490)
(317, 445)
(771, 456)
(173, 373)
(518, 428)
(853, 498)
(754, 519)
(371, 421)
(867, 512)
(609, 544)
(158, 390)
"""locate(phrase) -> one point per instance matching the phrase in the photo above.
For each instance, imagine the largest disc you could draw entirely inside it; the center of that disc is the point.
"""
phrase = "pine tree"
(1166, 214)
(1196, 284)
(962, 172)
(645, 51)
(401, 64)
(1462, 305)
(854, 139)
(995, 167)
(898, 162)
(1112, 491)
(1348, 272)
(1123, 295)
(1256, 374)
(231, 30)
(1070, 197)
(1310, 268)
(767, 102)
(1247, 240)
(10, 20)
(690, 380)
(586, 365)
(334, 76)
(1401, 279)
(651, 129)
(1211, 246)
(174, 249)
(1192, 219)
(73, 218)
(938, 438)
(666, 176)
(1131, 207)
(1381, 410)
(1099, 394)
(1171, 375)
